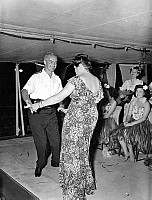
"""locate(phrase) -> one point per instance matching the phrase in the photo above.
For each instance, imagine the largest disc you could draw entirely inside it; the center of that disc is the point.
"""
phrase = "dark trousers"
(45, 131)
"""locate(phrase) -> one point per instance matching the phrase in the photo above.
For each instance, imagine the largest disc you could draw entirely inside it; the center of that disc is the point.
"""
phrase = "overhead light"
(144, 53)
(94, 46)
(126, 48)
(53, 40)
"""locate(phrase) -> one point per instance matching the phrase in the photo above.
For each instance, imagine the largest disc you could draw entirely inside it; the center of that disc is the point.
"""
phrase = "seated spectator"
(108, 106)
(135, 131)
(127, 89)
(150, 89)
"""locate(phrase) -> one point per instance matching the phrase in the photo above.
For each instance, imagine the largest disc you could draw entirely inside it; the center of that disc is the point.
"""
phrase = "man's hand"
(33, 107)
(29, 105)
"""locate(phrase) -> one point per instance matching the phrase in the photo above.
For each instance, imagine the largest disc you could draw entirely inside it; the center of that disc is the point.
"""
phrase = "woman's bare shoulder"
(113, 102)
(147, 103)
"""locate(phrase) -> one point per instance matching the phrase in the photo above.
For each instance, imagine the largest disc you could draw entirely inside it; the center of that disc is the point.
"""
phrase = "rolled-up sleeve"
(30, 85)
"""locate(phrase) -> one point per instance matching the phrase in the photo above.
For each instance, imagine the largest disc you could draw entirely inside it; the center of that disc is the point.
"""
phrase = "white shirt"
(41, 86)
(128, 85)
(150, 100)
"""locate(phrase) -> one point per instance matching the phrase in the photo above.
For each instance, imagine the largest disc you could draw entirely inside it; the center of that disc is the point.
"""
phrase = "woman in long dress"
(85, 90)
(135, 132)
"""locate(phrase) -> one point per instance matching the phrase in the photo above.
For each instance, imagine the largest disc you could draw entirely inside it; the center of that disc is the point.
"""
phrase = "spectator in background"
(150, 101)
(150, 89)
(135, 132)
(127, 89)
(108, 104)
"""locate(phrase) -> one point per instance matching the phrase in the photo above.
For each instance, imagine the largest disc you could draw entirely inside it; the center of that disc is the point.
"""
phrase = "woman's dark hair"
(82, 58)
(145, 89)
(113, 92)
(109, 92)
(137, 68)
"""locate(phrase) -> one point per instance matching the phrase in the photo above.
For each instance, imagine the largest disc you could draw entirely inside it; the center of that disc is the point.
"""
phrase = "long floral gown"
(75, 174)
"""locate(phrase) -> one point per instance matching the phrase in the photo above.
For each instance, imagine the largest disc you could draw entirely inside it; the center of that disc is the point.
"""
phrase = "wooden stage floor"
(116, 180)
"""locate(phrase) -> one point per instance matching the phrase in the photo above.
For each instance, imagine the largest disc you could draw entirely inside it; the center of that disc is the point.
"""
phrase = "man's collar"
(43, 70)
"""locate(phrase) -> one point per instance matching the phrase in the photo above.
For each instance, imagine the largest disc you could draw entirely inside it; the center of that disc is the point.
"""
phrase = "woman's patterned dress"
(75, 174)
(139, 135)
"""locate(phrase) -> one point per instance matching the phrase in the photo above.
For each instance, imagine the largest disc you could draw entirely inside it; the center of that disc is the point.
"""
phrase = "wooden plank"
(10, 189)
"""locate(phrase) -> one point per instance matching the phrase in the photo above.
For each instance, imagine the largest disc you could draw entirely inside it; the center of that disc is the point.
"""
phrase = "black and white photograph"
(76, 100)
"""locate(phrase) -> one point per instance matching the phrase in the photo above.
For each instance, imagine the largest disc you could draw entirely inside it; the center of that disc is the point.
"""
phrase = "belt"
(38, 100)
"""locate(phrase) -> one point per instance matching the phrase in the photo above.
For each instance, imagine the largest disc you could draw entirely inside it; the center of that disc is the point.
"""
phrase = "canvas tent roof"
(113, 31)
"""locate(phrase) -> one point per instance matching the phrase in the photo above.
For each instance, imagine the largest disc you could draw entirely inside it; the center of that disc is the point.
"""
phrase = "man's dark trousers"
(45, 131)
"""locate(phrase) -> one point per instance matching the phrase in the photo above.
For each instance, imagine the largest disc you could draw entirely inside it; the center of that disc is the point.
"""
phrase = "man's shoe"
(38, 172)
(54, 164)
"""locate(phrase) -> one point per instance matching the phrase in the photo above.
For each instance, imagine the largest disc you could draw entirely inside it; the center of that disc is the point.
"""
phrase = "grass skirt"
(139, 135)
(108, 125)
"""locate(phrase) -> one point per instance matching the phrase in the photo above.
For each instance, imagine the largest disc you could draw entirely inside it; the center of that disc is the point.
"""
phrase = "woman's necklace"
(133, 81)
(141, 100)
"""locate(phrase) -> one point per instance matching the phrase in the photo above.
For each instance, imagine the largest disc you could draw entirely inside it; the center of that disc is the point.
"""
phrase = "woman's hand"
(122, 96)
(126, 124)
(62, 109)
(35, 106)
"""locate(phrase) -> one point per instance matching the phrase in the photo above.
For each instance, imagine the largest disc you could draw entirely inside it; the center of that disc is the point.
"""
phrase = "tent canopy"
(113, 31)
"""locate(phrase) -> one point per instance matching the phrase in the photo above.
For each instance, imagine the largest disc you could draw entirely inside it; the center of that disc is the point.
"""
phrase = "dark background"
(8, 93)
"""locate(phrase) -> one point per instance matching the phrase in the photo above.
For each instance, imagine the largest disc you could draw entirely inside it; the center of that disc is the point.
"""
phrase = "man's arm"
(25, 96)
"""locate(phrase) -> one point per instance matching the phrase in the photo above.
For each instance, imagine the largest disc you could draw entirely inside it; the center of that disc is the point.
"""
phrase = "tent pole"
(16, 78)
(20, 102)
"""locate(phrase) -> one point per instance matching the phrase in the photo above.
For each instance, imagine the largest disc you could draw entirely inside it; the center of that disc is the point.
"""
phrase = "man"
(44, 123)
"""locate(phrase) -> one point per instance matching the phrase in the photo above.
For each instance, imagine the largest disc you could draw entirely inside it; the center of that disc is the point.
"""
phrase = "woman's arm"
(66, 91)
(129, 112)
(124, 86)
(113, 106)
(144, 117)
